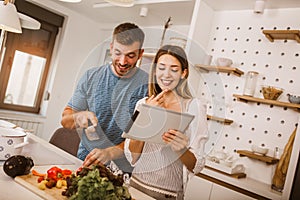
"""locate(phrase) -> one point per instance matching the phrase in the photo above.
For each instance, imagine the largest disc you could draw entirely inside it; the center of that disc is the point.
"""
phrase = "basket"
(271, 93)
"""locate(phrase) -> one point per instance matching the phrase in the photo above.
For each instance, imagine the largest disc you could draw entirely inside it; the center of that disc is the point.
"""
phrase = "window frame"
(51, 23)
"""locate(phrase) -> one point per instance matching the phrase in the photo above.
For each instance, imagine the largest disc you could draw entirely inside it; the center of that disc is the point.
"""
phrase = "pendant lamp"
(71, 1)
(28, 22)
(9, 18)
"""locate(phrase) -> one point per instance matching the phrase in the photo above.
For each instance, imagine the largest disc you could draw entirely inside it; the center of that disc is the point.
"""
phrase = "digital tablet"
(150, 122)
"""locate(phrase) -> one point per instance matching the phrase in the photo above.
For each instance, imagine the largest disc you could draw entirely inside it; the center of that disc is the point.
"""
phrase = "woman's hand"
(177, 140)
(157, 100)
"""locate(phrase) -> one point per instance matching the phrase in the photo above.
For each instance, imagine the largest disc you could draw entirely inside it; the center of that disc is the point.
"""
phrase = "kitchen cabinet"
(199, 188)
(219, 192)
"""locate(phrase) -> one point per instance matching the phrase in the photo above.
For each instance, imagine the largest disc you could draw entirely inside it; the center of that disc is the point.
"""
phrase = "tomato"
(40, 179)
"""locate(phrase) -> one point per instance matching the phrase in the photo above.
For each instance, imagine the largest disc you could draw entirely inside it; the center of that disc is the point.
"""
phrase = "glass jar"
(250, 84)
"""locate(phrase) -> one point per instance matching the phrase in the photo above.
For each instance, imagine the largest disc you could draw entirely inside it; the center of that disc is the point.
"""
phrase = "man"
(105, 98)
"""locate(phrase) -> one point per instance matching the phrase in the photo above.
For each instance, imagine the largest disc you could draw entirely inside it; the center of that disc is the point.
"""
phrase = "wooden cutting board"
(30, 182)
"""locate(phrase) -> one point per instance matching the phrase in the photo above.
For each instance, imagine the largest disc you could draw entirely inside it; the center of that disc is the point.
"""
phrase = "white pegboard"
(278, 64)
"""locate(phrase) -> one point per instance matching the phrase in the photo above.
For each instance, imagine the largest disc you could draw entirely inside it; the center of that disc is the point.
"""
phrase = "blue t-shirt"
(112, 99)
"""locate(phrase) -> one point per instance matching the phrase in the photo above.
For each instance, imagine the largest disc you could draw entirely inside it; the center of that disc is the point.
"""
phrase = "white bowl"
(220, 155)
(227, 163)
(293, 98)
(223, 62)
(259, 150)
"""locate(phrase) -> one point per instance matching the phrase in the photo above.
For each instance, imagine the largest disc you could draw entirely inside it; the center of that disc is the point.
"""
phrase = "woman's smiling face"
(168, 72)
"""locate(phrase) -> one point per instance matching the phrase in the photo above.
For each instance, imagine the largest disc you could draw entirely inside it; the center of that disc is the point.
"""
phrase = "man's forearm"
(67, 120)
(116, 151)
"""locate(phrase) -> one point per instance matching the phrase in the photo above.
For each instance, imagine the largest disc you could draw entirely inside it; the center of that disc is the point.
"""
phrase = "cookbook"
(148, 123)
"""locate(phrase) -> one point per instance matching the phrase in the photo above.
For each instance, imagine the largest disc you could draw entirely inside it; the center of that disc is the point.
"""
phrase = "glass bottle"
(250, 84)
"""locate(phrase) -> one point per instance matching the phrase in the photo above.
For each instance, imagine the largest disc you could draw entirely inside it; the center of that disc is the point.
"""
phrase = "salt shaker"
(250, 84)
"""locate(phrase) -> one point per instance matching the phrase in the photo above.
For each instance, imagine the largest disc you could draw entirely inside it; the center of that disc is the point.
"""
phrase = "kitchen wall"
(238, 35)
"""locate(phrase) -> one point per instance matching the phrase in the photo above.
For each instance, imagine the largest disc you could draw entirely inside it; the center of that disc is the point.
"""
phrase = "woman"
(161, 171)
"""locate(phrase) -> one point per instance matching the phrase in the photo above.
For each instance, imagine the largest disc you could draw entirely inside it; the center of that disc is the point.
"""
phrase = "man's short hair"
(128, 33)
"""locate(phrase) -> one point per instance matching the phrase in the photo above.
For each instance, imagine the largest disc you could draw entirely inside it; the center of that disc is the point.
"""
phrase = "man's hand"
(74, 119)
(104, 155)
(97, 156)
(81, 119)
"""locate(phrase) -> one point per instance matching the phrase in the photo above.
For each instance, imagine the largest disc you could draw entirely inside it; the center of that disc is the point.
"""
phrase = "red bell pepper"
(66, 172)
(54, 173)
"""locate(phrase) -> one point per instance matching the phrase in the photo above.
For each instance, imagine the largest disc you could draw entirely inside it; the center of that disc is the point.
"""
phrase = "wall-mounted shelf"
(219, 119)
(263, 158)
(266, 101)
(207, 68)
(282, 35)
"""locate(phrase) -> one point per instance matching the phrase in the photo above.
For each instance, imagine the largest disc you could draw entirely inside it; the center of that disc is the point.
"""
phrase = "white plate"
(7, 124)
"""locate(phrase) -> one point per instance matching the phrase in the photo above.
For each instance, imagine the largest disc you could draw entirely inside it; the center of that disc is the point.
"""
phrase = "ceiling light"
(9, 18)
(122, 3)
(144, 12)
(71, 1)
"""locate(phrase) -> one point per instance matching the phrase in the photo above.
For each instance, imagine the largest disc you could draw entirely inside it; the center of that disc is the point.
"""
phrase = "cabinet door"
(198, 188)
(220, 192)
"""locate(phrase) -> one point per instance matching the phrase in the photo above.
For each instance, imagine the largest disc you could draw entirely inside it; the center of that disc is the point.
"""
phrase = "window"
(26, 61)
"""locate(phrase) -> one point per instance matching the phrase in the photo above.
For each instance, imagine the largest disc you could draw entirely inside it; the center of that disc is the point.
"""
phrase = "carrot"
(36, 173)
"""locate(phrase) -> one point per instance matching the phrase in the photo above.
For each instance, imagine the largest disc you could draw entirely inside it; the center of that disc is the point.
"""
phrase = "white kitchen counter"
(44, 156)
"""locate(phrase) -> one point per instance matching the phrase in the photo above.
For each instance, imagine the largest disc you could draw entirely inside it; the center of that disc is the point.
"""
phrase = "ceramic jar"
(250, 84)
(11, 142)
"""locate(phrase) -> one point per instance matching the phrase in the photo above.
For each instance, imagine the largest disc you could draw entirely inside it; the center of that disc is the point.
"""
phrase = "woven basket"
(271, 93)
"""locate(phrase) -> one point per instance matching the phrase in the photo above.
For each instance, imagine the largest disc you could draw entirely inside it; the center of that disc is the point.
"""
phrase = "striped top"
(159, 166)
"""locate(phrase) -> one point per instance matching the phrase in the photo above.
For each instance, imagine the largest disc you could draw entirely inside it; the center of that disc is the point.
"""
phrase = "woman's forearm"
(136, 148)
(188, 159)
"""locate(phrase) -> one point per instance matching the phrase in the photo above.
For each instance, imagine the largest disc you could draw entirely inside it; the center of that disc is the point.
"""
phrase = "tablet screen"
(150, 122)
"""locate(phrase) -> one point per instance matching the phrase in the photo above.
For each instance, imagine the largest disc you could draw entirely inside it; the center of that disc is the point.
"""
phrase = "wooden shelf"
(219, 119)
(244, 98)
(282, 35)
(263, 158)
(207, 68)
(237, 175)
